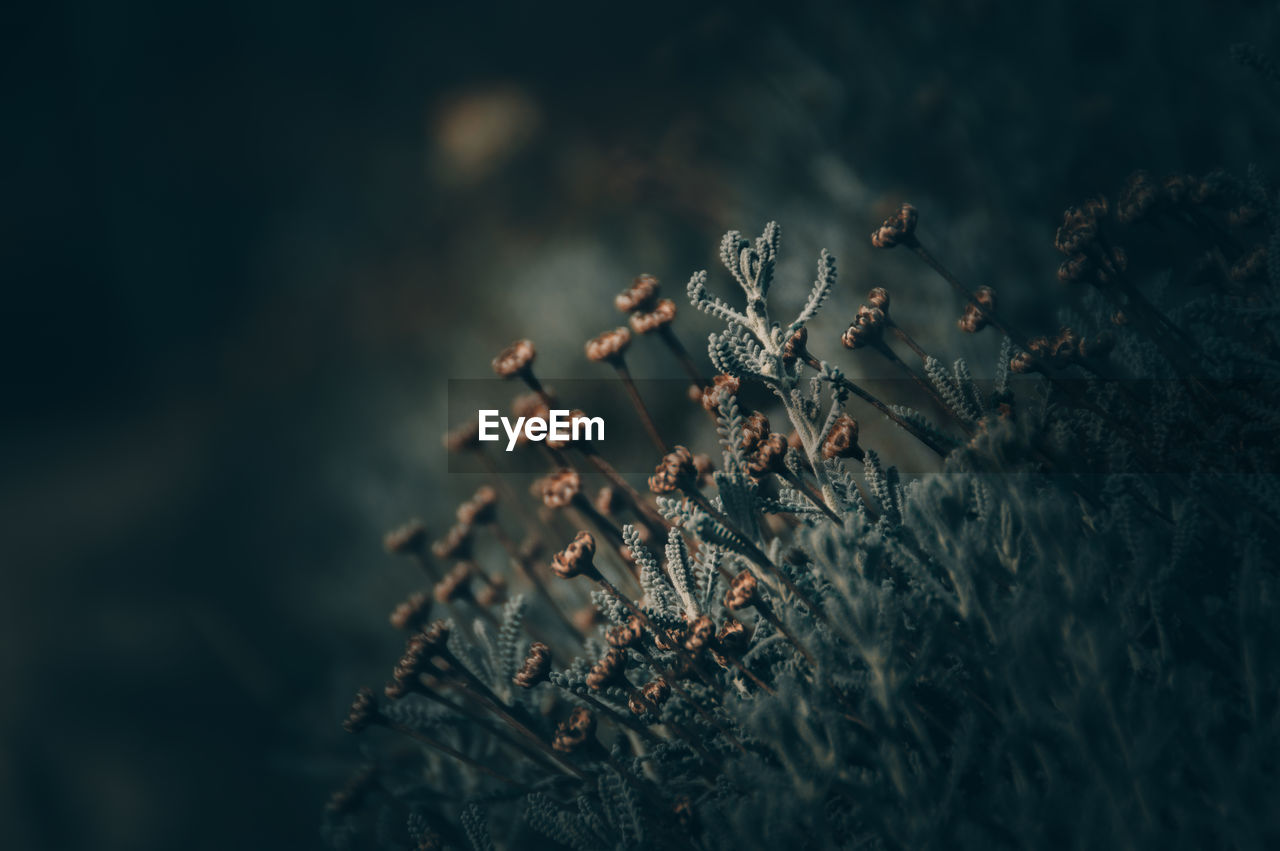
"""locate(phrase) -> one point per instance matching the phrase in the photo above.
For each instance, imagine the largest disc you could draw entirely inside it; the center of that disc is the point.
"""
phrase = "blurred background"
(246, 245)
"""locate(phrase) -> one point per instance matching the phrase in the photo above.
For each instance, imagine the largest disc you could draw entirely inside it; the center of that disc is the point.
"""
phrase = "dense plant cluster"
(1065, 635)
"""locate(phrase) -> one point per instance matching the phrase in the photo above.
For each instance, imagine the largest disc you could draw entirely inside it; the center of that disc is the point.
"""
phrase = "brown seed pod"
(662, 314)
(578, 558)
(795, 346)
(879, 298)
(973, 319)
(742, 591)
(559, 488)
(515, 359)
(409, 538)
(481, 508)
(1021, 362)
(609, 346)
(1137, 199)
(770, 456)
(413, 612)
(842, 440)
(625, 635)
(609, 501)
(456, 544)
(702, 631)
(754, 429)
(1251, 266)
(657, 691)
(715, 391)
(364, 711)
(573, 733)
(455, 585)
(536, 667)
(674, 471)
(1077, 233)
(1075, 269)
(867, 326)
(732, 636)
(465, 437)
(607, 671)
(896, 229)
(641, 295)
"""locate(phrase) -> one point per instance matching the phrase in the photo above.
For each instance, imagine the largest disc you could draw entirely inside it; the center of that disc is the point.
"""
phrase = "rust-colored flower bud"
(456, 583)
(1078, 232)
(608, 670)
(559, 488)
(409, 538)
(675, 470)
(625, 635)
(536, 667)
(701, 632)
(493, 592)
(842, 440)
(574, 732)
(515, 359)
(663, 314)
(1075, 269)
(732, 636)
(1021, 362)
(577, 558)
(364, 711)
(796, 345)
(641, 295)
(896, 229)
(481, 508)
(770, 456)
(754, 429)
(609, 501)
(1251, 266)
(1137, 199)
(866, 327)
(879, 297)
(669, 638)
(742, 591)
(720, 386)
(413, 612)
(656, 691)
(465, 437)
(457, 543)
(609, 346)
(973, 319)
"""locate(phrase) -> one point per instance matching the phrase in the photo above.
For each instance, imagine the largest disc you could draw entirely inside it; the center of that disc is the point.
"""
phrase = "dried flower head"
(413, 612)
(457, 543)
(560, 488)
(896, 229)
(625, 635)
(867, 326)
(536, 667)
(609, 346)
(879, 297)
(742, 591)
(456, 583)
(574, 732)
(577, 558)
(842, 440)
(1078, 231)
(795, 346)
(674, 471)
(409, 538)
(641, 295)
(770, 456)
(364, 711)
(732, 636)
(607, 671)
(463, 438)
(1137, 198)
(1251, 266)
(973, 320)
(1075, 269)
(480, 509)
(701, 632)
(515, 359)
(656, 691)
(662, 314)
(721, 386)
(754, 429)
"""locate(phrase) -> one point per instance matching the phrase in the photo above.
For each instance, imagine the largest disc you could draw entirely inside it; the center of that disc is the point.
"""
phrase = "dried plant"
(1063, 636)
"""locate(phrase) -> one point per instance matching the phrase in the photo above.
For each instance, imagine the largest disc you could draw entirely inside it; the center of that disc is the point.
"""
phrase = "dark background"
(247, 244)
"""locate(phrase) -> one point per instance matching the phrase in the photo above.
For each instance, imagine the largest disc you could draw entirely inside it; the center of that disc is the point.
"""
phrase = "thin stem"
(682, 354)
(625, 374)
(424, 739)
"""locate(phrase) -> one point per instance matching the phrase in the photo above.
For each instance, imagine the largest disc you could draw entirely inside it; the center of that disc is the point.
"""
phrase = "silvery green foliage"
(1066, 636)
